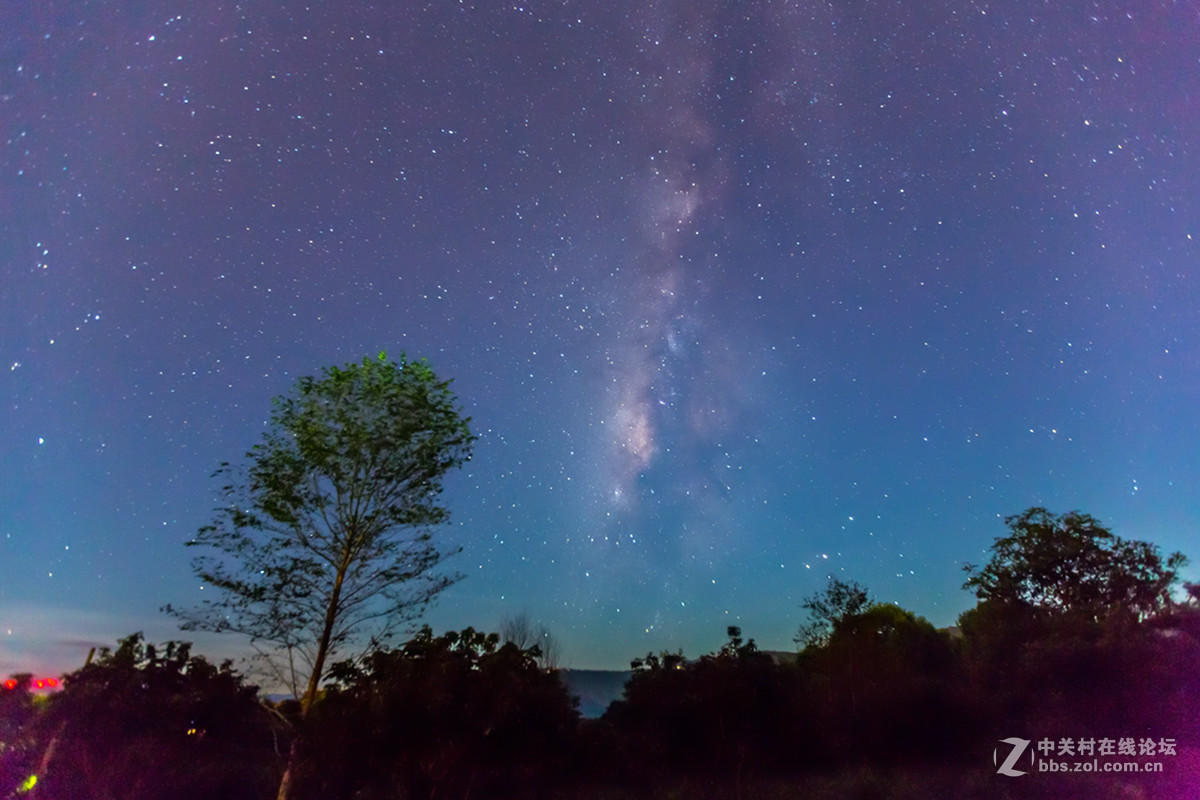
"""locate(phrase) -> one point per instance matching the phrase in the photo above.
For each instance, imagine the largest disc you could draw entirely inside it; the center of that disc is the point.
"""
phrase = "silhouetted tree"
(533, 637)
(995, 637)
(1077, 629)
(653, 663)
(1071, 564)
(326, 535)
(1031, 672)
(837, 601)
(726, 716)
(882, 685)
(150, 722)
(452, 716)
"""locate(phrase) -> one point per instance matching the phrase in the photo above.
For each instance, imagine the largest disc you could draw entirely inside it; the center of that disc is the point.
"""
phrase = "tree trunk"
(285, 783)
(314, 682)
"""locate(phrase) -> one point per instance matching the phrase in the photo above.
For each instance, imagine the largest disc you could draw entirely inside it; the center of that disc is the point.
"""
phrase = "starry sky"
(739, 295)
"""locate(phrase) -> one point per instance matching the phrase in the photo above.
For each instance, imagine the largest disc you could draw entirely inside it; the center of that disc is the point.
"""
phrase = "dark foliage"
(1077, 630)
(733, 713)
(876, 693)
(147, 722)
(882, 689)
(1023, 672)
(452, 716)
(837, 601)
(18, 747)
(1071, 564)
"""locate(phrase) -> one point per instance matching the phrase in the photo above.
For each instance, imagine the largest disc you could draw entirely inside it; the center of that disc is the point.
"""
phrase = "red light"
(35, 684)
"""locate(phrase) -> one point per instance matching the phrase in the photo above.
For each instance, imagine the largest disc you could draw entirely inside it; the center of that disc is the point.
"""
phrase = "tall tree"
(325, 539)
(1071, 564)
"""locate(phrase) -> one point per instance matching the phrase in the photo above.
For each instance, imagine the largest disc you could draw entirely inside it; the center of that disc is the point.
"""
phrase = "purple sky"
(738, 295)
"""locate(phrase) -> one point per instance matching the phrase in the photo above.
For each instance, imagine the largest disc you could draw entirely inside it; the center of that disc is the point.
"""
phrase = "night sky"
(738, 295)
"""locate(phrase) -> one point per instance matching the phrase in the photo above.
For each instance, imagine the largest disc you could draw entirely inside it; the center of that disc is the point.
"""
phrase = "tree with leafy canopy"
(325, 540)
(838, 601)
(1070, 564)
(1088, 618)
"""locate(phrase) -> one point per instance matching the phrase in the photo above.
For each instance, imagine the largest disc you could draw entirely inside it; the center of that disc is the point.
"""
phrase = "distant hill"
(595, 688)
(782, 657)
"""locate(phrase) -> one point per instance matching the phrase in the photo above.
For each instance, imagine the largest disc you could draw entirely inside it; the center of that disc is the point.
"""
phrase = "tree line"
(323, 554)
(467, 714)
